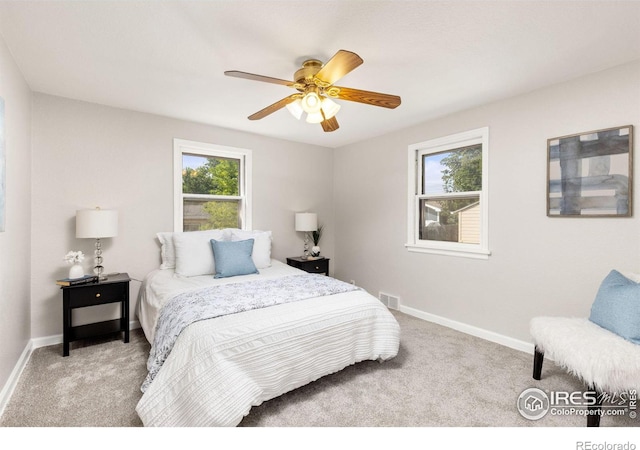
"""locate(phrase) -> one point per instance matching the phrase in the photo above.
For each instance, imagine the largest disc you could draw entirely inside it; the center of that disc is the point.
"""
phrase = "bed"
(219, 367)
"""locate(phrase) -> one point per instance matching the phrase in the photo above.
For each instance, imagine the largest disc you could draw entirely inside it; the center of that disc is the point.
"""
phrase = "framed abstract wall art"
(590, 174)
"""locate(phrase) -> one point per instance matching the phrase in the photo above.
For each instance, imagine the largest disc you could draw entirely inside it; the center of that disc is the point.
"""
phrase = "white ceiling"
(168, 57)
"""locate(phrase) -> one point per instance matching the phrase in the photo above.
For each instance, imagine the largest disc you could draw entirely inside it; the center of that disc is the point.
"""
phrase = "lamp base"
(305, 254)
(98, 268)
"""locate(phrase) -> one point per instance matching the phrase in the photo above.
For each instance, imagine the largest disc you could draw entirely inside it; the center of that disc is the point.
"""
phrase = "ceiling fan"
(315, 85)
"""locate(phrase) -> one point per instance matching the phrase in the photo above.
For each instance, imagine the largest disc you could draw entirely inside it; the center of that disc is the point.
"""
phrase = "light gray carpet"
(440, 378)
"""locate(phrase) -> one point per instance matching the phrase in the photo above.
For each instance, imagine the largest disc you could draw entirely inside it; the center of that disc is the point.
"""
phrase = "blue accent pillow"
(617, 306)
(233, 258)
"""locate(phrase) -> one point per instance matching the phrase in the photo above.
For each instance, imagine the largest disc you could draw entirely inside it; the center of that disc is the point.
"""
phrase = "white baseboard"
(501, 339)
(12, 382)
(10, 385)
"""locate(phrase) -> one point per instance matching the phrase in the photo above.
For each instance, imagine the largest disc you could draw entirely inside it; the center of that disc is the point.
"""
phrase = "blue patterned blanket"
(215, 301)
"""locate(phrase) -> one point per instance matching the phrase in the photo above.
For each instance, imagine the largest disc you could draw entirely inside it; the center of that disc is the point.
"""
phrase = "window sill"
(472, 253)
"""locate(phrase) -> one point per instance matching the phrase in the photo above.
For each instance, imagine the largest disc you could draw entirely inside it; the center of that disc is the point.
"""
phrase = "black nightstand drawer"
(318, 266)
(97, 295)
(310, 265)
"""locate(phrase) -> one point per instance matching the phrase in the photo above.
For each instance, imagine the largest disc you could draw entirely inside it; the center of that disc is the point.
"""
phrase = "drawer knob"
(98, 294)
(317, 267)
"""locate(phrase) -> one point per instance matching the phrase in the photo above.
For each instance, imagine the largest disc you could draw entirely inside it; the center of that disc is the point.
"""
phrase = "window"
(212, 186)
(447, 195)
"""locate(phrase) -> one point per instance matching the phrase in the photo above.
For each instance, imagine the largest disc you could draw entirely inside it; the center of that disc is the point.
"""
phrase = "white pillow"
(261, 254)
(194, 255)
(167, 250)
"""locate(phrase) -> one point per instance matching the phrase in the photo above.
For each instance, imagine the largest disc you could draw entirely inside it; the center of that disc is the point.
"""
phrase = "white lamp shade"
(306, 221)
(295, 108)
(329, 108)
(311, 103)
(314, 117)
(96, 223)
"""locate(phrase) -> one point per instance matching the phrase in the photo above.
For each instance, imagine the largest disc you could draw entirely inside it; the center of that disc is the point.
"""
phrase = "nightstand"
(112, 290)
(320, 265)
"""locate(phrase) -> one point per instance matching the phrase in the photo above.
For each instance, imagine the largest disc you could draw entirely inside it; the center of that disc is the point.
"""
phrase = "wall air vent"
(390, 301)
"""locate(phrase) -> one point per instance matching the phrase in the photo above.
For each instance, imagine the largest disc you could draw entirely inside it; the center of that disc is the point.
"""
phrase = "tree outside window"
(458, 170)
(215, 177)
(212, 186)
(447, 195)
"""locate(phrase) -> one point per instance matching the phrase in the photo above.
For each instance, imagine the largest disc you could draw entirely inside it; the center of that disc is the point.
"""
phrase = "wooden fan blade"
(273, 108)
(254, 77)
(338, 66)
(368, 97)
(330, 125)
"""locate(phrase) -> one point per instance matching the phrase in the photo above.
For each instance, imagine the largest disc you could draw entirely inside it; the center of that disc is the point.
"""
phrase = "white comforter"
(219, 368)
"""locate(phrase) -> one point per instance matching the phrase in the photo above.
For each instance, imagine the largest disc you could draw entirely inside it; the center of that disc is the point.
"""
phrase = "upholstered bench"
(604, 361)
(603, 351)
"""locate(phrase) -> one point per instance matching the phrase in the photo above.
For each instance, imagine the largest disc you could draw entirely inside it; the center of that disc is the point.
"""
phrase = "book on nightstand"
(76, 281)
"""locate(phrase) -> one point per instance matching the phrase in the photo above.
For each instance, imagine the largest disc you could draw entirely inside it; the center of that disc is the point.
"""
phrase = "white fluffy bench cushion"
(597, 356)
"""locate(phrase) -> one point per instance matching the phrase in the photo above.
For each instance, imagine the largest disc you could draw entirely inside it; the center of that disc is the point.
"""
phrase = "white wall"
(539, 265)
(15, 241)
(87, 155)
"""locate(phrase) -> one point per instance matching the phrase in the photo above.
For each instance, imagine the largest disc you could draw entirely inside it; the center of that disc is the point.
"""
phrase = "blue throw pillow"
(233, 258)
(617, 306)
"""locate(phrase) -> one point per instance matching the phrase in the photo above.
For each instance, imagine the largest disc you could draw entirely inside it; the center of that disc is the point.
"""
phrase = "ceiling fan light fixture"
(316, 90)
(311, 103)
(329, 108)
(316, 117)
(295, 108)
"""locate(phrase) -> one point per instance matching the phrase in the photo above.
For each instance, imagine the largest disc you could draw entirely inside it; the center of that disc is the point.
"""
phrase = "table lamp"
(306, 222)
(97, 224)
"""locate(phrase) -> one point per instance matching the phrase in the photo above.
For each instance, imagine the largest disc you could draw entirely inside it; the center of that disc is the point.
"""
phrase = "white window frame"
(415, 154)
(181, 146)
